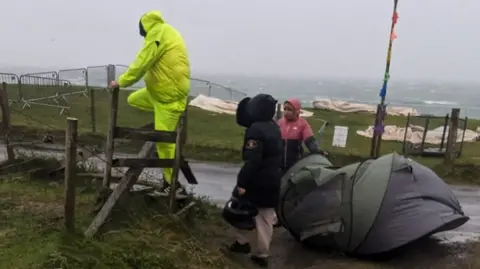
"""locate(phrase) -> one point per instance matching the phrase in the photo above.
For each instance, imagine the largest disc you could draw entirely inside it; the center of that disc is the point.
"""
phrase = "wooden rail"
(146, 158)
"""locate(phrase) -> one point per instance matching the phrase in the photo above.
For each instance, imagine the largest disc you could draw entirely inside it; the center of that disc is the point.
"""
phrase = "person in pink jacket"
(295, 132)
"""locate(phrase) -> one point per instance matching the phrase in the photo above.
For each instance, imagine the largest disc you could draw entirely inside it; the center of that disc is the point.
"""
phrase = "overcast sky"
(437, 39)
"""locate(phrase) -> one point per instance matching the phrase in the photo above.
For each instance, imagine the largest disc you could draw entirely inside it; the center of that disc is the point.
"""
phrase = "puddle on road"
(454, 237)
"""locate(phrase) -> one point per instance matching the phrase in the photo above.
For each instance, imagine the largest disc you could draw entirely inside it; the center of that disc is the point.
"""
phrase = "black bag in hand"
(240, 213)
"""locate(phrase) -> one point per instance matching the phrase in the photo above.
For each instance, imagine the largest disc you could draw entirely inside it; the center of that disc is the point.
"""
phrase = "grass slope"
(139, 235)
(216, 137)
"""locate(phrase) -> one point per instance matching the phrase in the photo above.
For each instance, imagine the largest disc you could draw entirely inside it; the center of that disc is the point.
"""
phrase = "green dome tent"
(365, 208)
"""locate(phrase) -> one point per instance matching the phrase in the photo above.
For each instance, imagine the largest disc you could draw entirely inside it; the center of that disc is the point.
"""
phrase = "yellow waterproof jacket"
(163, 62)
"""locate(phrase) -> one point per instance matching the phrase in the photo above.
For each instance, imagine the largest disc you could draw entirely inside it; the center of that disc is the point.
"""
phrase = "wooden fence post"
(185, 127)
(424, 135)
(7, 127)
(445, 124)
(70, 167)
(176, 164)
(452, 137)
(378, 131)
(279, 113)
(109, 145)
(91, 93)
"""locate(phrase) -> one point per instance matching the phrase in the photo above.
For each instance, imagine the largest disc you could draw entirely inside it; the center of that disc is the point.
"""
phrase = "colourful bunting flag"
(393, 36)
(395, 17)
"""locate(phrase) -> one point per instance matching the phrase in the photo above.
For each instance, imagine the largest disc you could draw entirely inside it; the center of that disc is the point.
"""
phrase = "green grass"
(139, 233)
(216, 137)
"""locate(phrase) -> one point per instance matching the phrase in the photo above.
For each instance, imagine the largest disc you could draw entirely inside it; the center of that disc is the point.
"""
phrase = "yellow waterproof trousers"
(166, 117)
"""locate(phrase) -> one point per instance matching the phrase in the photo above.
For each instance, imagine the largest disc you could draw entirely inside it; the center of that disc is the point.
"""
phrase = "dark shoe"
(260, 261)
(240, 248)
(277, 223)
(178, 188)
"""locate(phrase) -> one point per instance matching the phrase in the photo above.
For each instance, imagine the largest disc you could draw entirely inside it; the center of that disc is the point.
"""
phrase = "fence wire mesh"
(427, 135)
(43, 101)
(80, 92)
(47, 143)
(14, 91)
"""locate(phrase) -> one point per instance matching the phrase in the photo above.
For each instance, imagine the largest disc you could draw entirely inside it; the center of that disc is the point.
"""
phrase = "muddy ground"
(427, 253)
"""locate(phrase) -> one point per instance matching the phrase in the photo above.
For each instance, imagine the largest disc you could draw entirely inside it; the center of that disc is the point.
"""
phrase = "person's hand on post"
(113, 84)
(240, 191)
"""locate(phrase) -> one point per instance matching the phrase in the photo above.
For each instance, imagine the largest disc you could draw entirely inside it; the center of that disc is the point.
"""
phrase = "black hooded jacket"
(262, 151)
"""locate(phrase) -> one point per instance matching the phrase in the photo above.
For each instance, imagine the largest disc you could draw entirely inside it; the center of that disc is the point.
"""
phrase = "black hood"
(262, 107)
(141, 29)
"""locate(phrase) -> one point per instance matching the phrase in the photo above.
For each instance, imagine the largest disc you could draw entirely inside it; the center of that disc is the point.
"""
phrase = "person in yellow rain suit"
(164, 65)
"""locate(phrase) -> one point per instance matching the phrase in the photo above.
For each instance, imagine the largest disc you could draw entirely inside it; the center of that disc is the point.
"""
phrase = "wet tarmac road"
(216, 181)
(469, 198)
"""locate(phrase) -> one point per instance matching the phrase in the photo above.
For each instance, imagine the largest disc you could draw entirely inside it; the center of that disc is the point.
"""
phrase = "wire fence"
(92, 158)
(40, 102)
(82, 92)
(432, 135)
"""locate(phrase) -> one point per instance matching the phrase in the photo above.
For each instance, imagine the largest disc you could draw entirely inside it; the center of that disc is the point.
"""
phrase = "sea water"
(428, 97)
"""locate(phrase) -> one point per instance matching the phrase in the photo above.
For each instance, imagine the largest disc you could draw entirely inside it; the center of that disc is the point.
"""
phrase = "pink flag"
(393, 36)
(395, 17)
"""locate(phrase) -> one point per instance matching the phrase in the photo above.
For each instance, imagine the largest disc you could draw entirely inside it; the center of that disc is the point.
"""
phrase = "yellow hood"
(150, 19)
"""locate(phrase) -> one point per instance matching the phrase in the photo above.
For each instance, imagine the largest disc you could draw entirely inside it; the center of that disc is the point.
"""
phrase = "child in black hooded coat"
(259, 178)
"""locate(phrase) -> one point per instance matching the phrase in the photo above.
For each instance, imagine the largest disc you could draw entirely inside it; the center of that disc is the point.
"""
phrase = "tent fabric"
(369, 207)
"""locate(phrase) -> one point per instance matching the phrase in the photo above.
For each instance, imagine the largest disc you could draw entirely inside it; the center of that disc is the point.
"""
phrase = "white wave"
(320, 97)
(433, 102)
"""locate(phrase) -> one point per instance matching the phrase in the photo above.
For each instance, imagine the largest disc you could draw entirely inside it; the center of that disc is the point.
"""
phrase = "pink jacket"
(294, 134)
(298, 129)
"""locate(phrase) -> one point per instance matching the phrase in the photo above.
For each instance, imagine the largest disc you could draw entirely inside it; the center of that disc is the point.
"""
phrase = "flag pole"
(379, 126)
